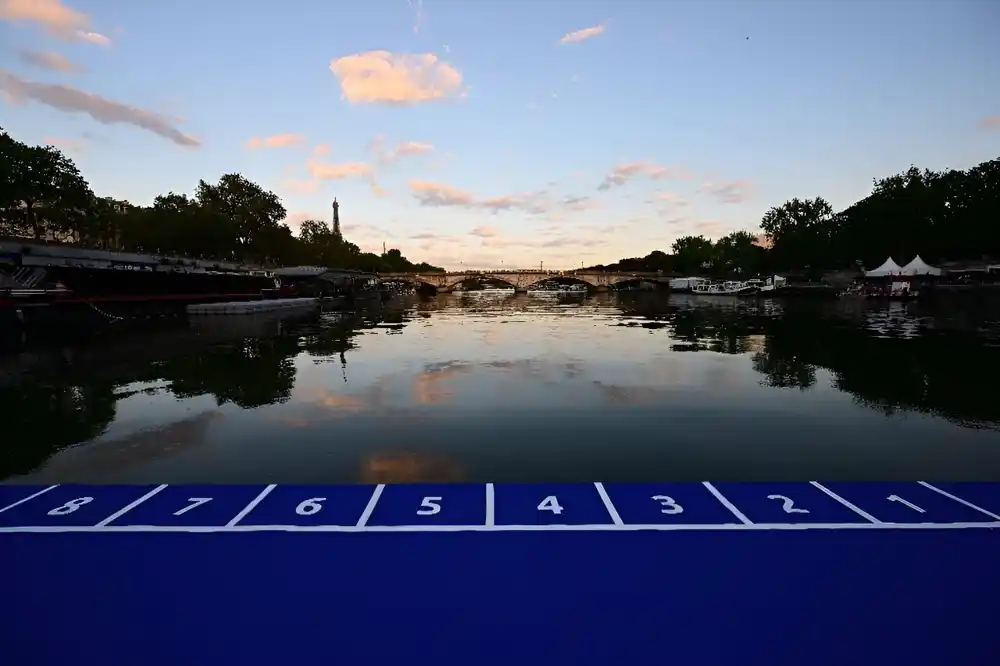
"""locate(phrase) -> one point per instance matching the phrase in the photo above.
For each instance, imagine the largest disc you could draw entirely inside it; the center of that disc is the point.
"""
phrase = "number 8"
(70, 506)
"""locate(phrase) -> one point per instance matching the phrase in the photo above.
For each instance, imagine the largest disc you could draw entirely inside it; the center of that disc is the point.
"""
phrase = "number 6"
(310, 506)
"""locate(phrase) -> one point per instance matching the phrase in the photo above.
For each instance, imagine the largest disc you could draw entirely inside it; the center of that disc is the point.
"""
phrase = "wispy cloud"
(101, 109)
(325, 171)
(321, 149)
(582, 34)
(383, 154)
(730, 191)
(54, 17)
(990, 123)
(418, 14)
(622, 173)
(381, 77)
(286, 140)
(48, 60)
(69, 145)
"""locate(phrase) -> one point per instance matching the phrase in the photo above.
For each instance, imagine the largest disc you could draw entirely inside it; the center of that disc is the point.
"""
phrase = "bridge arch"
(454, 281)
(561, 279)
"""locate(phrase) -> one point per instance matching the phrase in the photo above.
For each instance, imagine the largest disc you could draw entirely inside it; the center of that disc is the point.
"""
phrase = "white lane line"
(251, 506)
(959, 500)
(363, 520)
(128, 507)
(726, 503)
(490, 505)
(666, 527)
(612, 511)
(28, 498)
(866, 516)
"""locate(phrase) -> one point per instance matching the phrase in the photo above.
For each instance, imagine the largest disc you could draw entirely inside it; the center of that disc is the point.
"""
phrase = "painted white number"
(789, 505)
(897, 498)
(310, 506)
(70, 506)
(550, 503)
(668, 504)
(430, 506)
(195, 503)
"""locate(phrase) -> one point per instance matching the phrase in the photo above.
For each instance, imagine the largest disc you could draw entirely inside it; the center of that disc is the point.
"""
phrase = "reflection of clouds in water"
(630, 395)
(105, 457)
(409, 467)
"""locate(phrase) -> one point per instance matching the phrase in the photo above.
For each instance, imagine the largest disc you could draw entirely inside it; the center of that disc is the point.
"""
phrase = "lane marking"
(661, 527)
(251, 506)
(959, 500)
(28, 498)
(372, 501)
(128, 507)
(852, 507)
(490, 505)
(612, 511)
(726, 503)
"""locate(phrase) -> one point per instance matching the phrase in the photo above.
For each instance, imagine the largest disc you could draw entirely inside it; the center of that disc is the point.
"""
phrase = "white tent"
(918, 267)
(890, 267)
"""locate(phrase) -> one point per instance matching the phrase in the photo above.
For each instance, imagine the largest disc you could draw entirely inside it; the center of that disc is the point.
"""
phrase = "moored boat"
(52, 283)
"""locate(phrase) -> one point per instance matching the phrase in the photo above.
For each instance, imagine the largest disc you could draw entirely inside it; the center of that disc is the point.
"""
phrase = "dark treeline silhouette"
(888, 364)
(43, 196)
(940, 215)
(70, 395)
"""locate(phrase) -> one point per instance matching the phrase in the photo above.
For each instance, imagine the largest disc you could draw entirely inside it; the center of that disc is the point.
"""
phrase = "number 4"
(550, 503)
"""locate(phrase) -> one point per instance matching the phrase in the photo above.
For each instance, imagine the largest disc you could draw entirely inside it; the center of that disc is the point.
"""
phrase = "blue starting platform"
(681, 573)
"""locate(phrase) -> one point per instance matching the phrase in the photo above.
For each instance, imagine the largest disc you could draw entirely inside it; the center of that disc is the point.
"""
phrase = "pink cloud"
(582, 34)
(286, 140)
(321, 149)
(48, 60)
(622, 173)
(56, 18)
(990, 123)
(382, 77)
(326, 171)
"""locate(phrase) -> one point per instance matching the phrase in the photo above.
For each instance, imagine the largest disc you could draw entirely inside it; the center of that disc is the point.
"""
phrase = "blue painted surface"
(693, 586)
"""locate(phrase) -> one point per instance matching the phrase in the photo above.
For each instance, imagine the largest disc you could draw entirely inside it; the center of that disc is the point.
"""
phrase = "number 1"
(195, 503)
(897, 498)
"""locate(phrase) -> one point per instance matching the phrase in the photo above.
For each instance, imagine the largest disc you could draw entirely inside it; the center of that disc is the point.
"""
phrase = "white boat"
(728, 288)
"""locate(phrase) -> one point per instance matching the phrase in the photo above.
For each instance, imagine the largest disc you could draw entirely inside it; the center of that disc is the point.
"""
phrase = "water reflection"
(504, 387)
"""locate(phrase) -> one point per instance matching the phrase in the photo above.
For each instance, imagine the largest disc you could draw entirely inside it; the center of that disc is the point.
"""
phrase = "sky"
(516, 134)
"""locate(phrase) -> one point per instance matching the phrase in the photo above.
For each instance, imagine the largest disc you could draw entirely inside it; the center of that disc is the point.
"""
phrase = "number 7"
(195, 503)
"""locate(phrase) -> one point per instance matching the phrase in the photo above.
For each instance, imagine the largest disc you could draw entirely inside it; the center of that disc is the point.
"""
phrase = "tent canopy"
(918, 267)
(889, 267)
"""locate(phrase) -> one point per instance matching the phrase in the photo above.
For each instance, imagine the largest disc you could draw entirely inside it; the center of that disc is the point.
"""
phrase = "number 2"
(70, 506)
(195, 503)
(430, 506)
(897, 498)
(789, 505)
(550, 503)
(668, 504)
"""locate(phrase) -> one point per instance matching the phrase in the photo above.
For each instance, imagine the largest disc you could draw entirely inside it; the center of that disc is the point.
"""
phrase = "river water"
(491, 386)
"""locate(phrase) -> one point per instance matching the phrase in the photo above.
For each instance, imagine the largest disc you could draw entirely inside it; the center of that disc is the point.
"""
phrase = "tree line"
(940, 215)
(44, 196)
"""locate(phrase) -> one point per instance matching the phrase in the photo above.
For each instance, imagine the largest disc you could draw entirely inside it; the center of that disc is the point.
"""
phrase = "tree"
(693, 253)
(253, 212)
(42, 189)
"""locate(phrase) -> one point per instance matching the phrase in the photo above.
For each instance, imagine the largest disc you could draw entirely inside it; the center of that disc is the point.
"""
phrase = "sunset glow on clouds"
(505, 134)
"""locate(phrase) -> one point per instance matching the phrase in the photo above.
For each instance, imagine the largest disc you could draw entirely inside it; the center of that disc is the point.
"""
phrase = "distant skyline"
(487, 133)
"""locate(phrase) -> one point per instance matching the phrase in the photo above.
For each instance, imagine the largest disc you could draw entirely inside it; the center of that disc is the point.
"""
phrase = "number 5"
(430, 506)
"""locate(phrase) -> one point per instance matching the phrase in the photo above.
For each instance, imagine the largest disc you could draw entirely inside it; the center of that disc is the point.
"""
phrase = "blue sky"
(487, 133)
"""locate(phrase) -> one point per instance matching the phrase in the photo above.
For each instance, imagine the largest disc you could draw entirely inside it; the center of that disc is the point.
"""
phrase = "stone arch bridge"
(522, 280)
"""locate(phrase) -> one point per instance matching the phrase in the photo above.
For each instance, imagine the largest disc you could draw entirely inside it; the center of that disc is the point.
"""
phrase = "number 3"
(668, 504)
